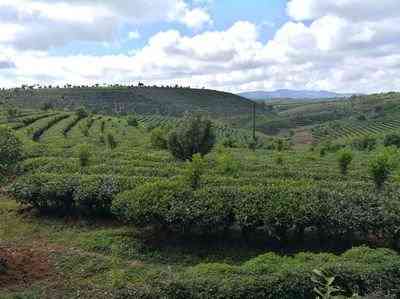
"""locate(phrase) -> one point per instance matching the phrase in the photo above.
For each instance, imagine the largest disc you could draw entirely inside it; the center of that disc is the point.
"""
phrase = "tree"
(345, 157)
(194, 136)
(10, 149)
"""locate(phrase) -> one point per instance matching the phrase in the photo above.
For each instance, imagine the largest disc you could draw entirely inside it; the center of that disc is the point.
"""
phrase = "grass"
(90, 257)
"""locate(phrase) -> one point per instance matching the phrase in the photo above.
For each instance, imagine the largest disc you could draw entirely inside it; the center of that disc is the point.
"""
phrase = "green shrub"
(229, 142)
(194, 136)
(66, 194)
(365, 143)
(84, 155)
(81, 113)
(194, 170)
(10, 149)
(132, 121)
(150, 203)
(159, 138)
(381, 166)
(112, 143)
(360, 270)
(345, 157)
(226, 164)
(392, 140)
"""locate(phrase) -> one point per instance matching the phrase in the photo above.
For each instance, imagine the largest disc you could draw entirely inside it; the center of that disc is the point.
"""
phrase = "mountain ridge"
(292, 94)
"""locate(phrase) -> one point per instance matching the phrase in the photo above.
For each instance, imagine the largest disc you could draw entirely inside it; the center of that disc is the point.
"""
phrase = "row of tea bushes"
(65, 194)
(361, 271)
(279, 210)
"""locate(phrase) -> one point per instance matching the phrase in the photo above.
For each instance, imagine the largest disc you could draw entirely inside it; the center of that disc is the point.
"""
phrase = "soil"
(23, 266)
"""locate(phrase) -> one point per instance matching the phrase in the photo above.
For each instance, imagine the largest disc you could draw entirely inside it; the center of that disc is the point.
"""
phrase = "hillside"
(144, 100)
(292, 94)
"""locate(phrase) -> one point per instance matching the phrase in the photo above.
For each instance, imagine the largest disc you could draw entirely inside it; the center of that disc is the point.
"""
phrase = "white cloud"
(41, 24)
(344, 46)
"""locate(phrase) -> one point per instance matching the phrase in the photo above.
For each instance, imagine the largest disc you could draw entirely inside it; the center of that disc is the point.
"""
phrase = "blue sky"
(268, 15)
(232, 45)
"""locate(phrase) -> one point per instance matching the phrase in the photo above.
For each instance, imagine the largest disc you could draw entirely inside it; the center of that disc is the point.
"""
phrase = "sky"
(231, 45)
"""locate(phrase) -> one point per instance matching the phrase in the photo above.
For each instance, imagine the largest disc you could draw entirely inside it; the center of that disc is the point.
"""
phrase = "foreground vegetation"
(129, 210)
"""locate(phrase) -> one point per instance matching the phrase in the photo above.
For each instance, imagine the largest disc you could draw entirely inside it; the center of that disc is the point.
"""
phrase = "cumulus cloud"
(41, 24)
(348, 46)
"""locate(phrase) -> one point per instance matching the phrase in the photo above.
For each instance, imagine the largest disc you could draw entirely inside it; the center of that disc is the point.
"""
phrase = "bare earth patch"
(23, 267)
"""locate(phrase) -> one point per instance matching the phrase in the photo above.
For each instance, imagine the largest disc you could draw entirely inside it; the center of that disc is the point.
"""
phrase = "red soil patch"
(23, 266)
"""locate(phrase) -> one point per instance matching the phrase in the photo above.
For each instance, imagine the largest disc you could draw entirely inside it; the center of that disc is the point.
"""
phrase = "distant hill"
(292, 94)
(142, 100)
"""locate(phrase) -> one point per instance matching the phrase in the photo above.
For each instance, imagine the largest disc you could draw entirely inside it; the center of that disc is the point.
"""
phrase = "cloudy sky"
(232, 45)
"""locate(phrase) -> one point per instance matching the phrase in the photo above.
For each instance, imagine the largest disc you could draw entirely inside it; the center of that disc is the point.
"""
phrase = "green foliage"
(365, 143)
(381, 166)
(84, 155)
(132, 121)
(194, 170)
(226, 163)
(194, 136)
(325, 288)
(10, 149)
(277, 277)
(229, 142)
(392, 140)
(112, 143)
(345, 157)
(47, 106)
(65, 194)
(81, 112)
(159, 138)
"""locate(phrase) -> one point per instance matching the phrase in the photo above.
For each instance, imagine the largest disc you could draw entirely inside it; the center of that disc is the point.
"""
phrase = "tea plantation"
(114, 215)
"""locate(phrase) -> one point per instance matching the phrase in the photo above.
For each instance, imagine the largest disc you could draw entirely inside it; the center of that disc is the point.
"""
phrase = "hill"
(292, 94)
(142, 100)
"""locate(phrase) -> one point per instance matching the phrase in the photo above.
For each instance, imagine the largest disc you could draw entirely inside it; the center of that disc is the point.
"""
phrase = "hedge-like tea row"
(65, 194)
(38, 133)
(360, 270)
(32, 119)
(279, 210)
(72, 124)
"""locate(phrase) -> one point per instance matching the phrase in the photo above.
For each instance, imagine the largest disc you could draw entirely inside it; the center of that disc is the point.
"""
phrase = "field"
(124, 221)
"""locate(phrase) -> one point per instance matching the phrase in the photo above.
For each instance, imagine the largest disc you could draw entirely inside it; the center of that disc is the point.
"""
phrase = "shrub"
(132, 121)
(359, 270)
(194, 170)
(380, 167)
(66, 194)
(345, 157)
(392, 140)
(194, 135)
(84, 155)
(112, 143)
(81, 113)
(229, 142)
(159, 139)
(10, 149)
(226, 164)
(366, 143)
(150, 203)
